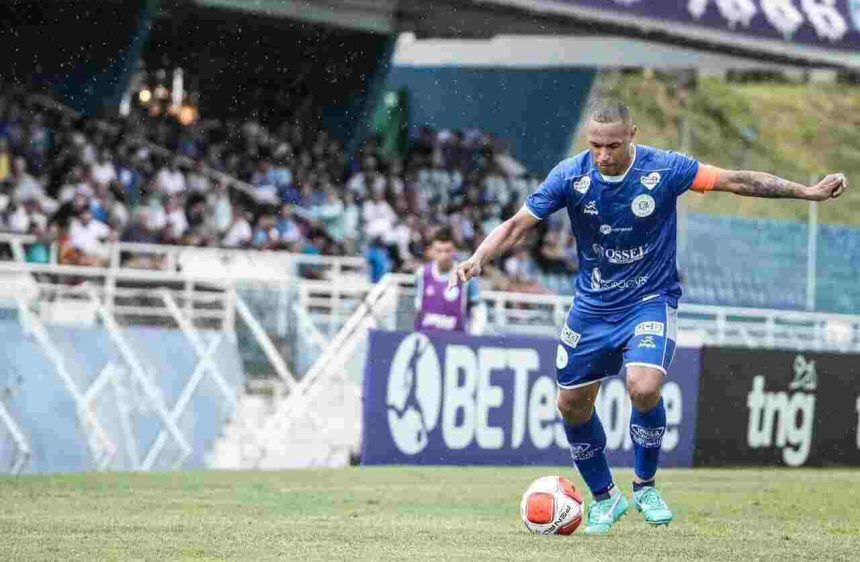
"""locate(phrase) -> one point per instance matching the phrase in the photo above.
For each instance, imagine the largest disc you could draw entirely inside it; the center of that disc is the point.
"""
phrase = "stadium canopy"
(823, 33)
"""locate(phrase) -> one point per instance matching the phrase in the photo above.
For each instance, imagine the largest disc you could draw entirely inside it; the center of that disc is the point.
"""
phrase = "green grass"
(415, 514)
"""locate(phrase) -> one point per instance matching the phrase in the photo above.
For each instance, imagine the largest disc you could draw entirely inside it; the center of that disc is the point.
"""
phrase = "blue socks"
(587, 442)
(646, 430)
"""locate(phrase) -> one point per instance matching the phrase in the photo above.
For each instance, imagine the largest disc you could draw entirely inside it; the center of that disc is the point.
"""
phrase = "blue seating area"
(36, 398)
(761, 263)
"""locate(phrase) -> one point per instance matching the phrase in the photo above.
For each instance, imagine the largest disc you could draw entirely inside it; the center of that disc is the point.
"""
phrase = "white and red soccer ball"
(551, 506)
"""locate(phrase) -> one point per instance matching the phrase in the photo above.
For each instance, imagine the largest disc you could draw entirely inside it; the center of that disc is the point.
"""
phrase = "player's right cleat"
(602, 515)
(649, 503)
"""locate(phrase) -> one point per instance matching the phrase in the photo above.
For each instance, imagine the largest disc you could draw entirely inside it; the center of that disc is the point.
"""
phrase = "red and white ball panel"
(551, 506)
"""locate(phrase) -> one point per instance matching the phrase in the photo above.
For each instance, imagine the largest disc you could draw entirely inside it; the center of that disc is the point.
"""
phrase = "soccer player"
(621, 199)
(438, 305)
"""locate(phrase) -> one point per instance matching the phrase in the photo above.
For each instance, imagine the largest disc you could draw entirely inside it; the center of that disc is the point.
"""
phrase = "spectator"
(288, 229)
(170, 179)
(5, 160)
(378, 259)
(87, 241)
(266, 235)
(378, 217)
(176, 221)
(239, 234)
(331, 215)
(103, 171)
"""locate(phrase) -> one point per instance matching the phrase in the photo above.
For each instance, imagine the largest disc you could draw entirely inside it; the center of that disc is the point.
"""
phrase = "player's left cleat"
(650, 504)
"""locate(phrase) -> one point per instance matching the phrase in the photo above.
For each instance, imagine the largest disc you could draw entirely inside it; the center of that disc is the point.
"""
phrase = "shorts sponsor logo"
(590, 208)
(643, 206)
(582, 184)
(649, 329)
(647, 342)
(651, 180)
(648, 437)
(570, 337)
(581, 451)
(561, 357)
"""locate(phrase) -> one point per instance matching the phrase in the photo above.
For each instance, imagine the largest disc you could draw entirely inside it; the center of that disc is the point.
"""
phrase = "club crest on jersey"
(643, 206)
(651, 180)
(582, 184)
(590, 208)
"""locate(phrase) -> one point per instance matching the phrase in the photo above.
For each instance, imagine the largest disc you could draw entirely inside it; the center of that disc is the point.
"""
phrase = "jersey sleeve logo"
(643, 206)
(582, 184)
(651, 180)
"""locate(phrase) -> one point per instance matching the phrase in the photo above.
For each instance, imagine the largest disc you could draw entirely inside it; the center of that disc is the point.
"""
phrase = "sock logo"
(648, 437)
(581, 451)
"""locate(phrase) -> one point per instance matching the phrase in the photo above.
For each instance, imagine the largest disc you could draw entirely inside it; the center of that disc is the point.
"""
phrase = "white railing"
(214, 262)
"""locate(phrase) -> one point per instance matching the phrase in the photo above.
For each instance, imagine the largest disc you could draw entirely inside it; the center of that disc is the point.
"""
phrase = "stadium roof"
(824, 35)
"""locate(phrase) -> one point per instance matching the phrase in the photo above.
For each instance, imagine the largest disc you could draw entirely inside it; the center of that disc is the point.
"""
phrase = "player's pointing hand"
(464, 271)
(832, 186)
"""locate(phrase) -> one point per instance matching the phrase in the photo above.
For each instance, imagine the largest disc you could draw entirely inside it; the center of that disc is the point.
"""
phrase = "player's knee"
(645, 394)
(575, 408)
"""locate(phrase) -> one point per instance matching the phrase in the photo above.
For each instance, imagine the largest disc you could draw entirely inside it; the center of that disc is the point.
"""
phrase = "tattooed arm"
(759, 184)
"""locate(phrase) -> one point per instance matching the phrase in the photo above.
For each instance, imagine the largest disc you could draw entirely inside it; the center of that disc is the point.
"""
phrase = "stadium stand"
(83, 182)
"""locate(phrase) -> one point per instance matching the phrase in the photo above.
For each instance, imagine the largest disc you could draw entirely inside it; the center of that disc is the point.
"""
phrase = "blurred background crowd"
(77, 184)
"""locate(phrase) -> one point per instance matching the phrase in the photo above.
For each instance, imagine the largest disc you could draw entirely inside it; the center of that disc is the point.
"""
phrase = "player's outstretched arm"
(760, 184)
(497, 242)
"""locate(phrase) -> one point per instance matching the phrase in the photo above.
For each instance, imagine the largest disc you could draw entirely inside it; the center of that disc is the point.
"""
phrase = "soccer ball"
(551, 506)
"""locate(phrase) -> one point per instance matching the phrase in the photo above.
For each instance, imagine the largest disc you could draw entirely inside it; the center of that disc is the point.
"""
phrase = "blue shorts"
(593, 348)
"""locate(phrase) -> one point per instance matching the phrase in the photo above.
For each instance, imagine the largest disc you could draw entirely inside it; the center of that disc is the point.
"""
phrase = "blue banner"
(458, 399)
(821, 23)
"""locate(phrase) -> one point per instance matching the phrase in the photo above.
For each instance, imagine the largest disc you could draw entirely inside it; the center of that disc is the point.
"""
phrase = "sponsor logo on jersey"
(643, 205)
(598, 283)
(570, 337)
(648, 437)
(582, 184)
(651, 180)
(649, 329)
(607, 229)
(590, 208)
(620, 256)
(647, 343)
(781, 419)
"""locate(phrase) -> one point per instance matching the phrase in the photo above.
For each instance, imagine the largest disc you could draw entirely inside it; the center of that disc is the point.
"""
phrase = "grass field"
(416, 514)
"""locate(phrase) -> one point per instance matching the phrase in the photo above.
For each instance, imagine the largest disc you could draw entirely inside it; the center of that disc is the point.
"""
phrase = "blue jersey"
(625, 227)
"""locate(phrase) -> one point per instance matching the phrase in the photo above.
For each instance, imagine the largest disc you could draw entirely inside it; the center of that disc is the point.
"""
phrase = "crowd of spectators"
(83, 183)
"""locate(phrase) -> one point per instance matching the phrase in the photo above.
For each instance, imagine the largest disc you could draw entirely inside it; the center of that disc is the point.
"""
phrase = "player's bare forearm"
(498, 241)
(760, 184)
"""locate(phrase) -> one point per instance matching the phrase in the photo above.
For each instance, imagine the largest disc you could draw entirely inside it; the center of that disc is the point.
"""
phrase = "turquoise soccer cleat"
(650, 504)
(602, 515)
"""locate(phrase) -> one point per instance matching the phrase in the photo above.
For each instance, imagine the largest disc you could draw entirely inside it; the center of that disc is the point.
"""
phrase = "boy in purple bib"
(438, 306)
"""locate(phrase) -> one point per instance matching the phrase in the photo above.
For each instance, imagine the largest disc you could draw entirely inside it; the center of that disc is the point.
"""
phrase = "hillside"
(795, 131)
